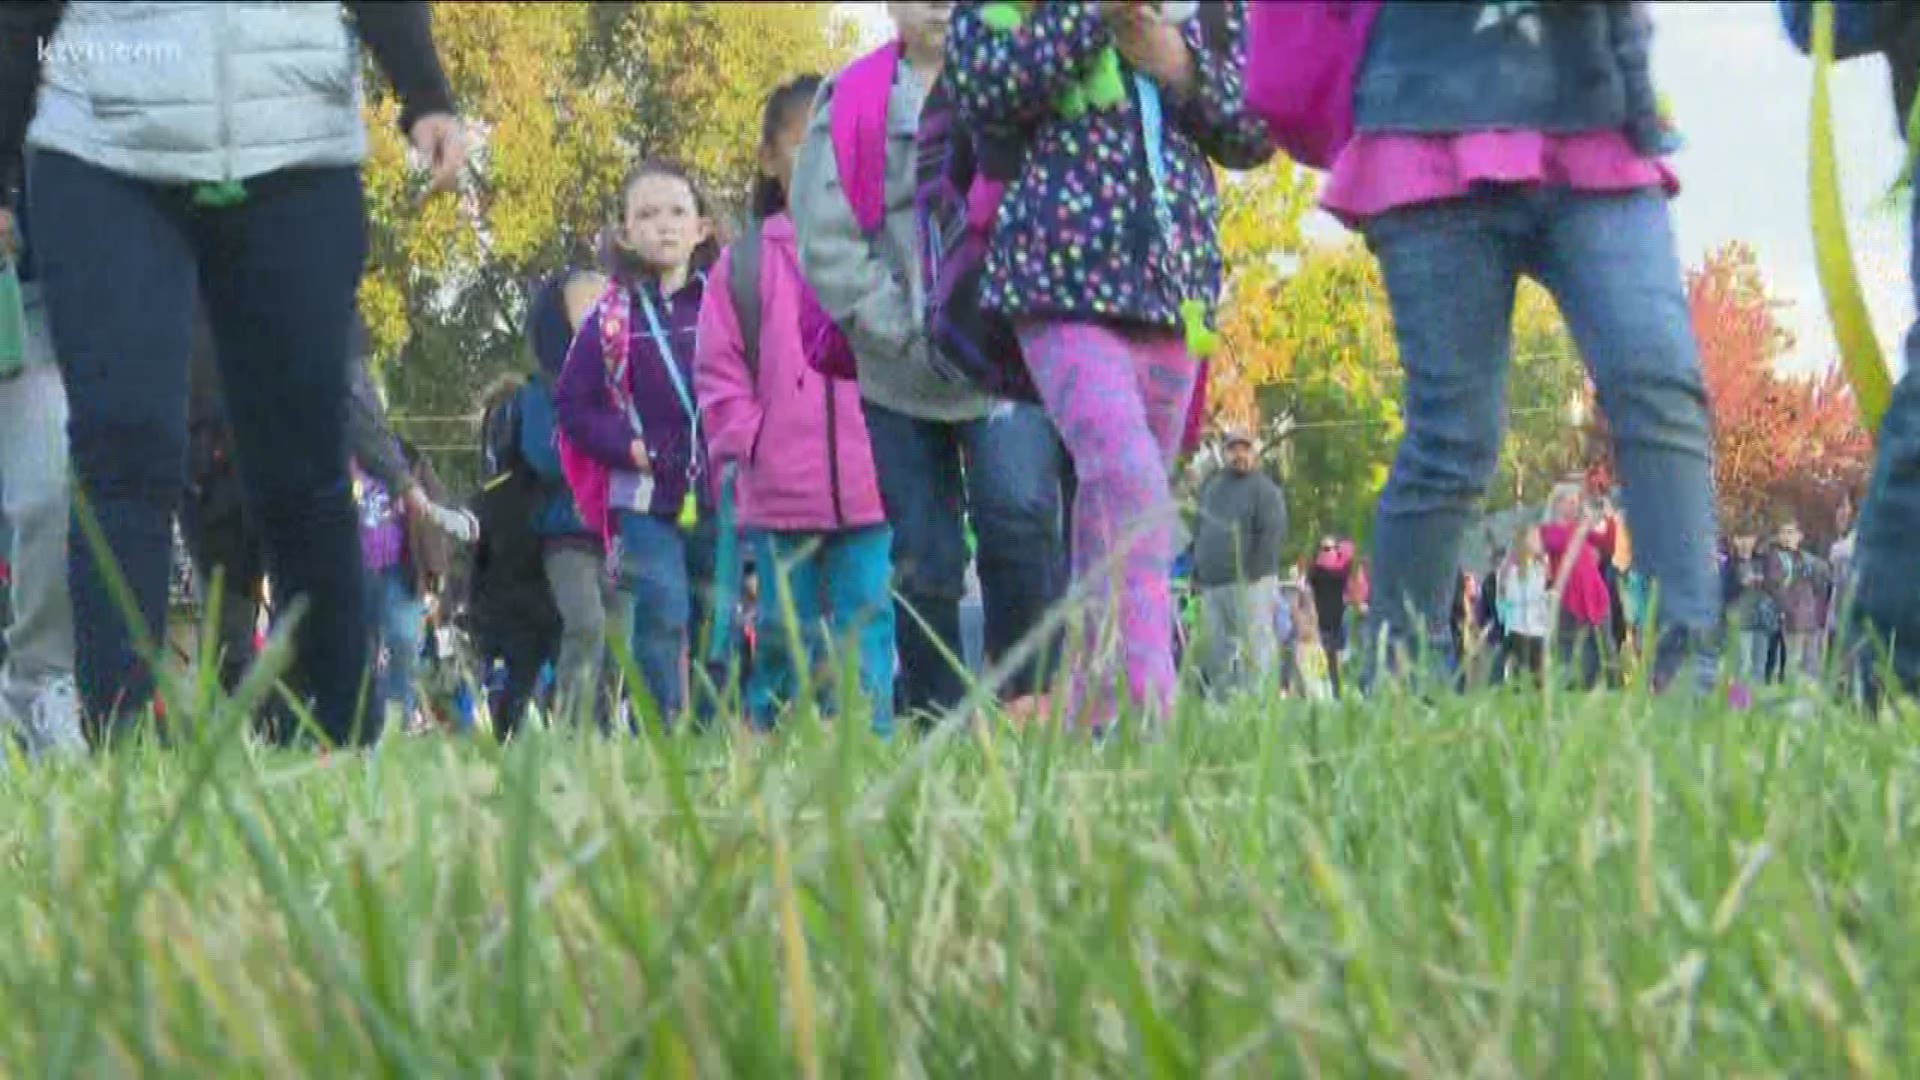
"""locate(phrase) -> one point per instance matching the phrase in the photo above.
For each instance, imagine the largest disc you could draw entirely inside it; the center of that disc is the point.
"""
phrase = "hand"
(459, 524)
(9, 238)
(441, 140)
(1157, 50)
(641, 460)
(417, 502)
(1122, 11)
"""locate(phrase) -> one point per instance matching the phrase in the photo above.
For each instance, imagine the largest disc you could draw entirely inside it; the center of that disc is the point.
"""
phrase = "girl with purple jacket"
(631, 409)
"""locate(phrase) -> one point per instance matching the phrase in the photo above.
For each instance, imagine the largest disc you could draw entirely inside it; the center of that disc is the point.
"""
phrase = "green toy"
(1102, 88)
(219, 196)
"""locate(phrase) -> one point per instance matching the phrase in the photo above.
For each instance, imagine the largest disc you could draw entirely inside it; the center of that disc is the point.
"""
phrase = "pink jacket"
(800, 439)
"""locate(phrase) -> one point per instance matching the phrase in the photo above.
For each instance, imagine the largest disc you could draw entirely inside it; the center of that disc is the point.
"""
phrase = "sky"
(1739, 92)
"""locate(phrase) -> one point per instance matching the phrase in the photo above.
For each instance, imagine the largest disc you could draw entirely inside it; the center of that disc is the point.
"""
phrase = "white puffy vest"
(201, 92)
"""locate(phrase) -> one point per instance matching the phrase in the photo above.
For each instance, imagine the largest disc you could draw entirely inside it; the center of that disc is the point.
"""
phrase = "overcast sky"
(1740, 94)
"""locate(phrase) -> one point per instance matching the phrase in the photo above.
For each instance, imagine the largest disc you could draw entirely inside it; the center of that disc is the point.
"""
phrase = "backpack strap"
(859, 126)
(744, 287)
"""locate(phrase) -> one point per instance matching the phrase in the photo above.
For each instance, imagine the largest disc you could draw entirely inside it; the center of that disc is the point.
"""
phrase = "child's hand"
(640, 459)
(1121, 12)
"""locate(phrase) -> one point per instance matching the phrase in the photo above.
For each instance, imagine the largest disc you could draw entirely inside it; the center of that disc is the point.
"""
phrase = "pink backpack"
(589, 479)
(1302, 60)
(858, 124)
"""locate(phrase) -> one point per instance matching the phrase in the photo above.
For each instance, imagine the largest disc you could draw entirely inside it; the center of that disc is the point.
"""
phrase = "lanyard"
(665, 347)
(1153, 131)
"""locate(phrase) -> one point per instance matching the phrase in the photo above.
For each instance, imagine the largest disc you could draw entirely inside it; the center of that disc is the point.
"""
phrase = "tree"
(564, 98)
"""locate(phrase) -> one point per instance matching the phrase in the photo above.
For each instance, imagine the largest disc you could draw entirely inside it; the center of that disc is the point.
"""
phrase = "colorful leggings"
(1120, 402)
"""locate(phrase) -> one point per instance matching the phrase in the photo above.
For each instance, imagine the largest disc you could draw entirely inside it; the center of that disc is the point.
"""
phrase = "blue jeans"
(665, 580)
(1886, 596)
(401, 624)
(121, 262)
(1452, 270)
(839, 586)
(1005, 472)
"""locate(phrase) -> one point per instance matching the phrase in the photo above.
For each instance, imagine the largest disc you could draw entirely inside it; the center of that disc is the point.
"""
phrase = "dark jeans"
(120, 260)
(1006, 474)
(1886, 585)
(523, 652)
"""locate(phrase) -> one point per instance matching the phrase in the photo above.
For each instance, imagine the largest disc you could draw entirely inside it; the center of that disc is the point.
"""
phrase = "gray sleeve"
(1273, 524)
(369, 440)
(852, 281)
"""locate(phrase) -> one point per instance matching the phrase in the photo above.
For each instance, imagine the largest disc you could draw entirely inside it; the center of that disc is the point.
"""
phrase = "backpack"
(858, 125)
(827, 349)
(590, 480)
(509, 566)
(1303, 58)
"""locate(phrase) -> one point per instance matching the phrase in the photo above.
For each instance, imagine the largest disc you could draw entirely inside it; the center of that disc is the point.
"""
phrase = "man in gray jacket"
(944, 452)
(1236, 569)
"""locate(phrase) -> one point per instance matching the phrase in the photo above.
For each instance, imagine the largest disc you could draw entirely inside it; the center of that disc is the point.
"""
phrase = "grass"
(1501, 885)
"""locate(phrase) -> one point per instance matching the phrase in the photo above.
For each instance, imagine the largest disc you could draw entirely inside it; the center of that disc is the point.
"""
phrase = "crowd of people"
(962, 334)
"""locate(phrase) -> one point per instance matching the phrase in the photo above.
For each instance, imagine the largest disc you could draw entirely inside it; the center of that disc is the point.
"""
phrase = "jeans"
(120, 260)
(400, 621)
(665, 592)
(521, 656)
(1886, 589)
(1242, 635)
(1005, 473)
(839, 589)
(585, 594)
(34, 499)
(1451, 271)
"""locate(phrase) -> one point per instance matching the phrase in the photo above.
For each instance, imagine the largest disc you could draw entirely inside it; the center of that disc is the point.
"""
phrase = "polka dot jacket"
(1077, 237)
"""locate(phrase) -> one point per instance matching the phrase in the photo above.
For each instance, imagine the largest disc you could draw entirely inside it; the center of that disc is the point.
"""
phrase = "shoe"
(53, 722)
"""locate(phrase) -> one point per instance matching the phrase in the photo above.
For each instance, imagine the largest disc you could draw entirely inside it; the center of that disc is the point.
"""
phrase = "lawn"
(1500, 885)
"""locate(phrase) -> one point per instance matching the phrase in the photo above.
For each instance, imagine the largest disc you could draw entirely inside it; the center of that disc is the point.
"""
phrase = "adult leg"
(1886, 592)
(1117, 403)
(1263, 633)
(1014, 471)
(1451, 272)
(36, 676)
(918, 463)
(581, 590)
(117, 267)
(279, 273)
(653, 567)
(1223, 622)
(1611, 265)
(858, 569)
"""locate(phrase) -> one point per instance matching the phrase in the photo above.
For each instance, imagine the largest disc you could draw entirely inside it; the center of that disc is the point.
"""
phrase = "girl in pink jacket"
(798, 440)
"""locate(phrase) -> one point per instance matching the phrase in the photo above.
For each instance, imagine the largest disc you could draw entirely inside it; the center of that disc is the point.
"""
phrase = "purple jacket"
(596, 421)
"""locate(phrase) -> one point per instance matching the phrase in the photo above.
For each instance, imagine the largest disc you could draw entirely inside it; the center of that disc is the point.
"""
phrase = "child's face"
(922, 24)
(1789, 537)
(778, 157)
(662, 222)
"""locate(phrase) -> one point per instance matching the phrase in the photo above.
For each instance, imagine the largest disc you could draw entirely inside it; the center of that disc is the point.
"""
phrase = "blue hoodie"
(550, 334)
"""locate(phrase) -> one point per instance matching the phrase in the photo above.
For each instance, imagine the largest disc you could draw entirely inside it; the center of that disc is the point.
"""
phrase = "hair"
(704, 255)
(769, 194)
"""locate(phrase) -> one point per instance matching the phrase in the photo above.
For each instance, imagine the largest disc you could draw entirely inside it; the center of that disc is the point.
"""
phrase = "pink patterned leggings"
(1120, 401)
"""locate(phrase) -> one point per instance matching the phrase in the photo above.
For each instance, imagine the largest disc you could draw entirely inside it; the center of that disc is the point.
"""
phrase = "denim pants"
(1005, 473)
(400, 619)
(121, 261)
(585, 594)
(1452, 270)
(838, 587)
(34, 499)
(1242, 636)
(1886, 585)
(665, 593)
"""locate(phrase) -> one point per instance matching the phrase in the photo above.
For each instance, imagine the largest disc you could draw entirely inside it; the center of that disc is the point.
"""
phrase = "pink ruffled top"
(1378, 173)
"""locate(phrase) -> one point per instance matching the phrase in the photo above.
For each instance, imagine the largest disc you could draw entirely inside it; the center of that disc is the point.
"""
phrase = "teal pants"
(839, 588)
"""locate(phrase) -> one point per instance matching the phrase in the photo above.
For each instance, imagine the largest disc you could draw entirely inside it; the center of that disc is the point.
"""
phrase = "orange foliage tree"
(1785, 446)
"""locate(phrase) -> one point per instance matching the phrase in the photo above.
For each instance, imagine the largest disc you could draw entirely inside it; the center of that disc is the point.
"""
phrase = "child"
(39, 700)
(635, 416)
(1499, 139)
(1526, 603)
(1585, 604)
(806, 484)
(946, 452)
(1311, 664)
(1104, 253)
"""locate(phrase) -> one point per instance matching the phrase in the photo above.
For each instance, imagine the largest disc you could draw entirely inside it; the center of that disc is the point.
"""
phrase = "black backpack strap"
(745, 290)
